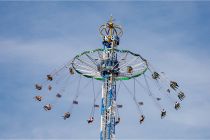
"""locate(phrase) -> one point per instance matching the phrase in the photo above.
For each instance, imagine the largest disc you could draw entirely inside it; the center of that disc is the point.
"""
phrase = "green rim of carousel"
(137, 74)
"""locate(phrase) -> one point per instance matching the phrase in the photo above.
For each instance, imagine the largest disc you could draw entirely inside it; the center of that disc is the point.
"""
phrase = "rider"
(177, 105)
(141, 119)
(181, 95)
(38, 98)
(118, 120)
(47, 107)
(163, 113)
(155, 75)
(90, 120)
(38, 87)
(49, 77)
(71, 71)
(174, 85)
(66, 115)
(129, 69)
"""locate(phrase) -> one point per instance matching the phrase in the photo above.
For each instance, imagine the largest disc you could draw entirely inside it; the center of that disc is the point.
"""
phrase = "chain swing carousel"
(112, 67)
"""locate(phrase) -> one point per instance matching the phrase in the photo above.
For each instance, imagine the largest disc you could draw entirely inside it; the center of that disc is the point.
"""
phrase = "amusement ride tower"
(110, 65)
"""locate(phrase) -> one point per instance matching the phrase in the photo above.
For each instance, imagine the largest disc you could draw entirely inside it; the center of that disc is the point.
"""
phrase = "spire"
(110, 28)
(111, 19)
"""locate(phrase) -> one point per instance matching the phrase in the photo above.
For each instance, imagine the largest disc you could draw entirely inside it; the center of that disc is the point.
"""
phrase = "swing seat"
(75, 102)
(96, 106)
(141, 103)
(58, 95)
(49, 87)
(119, 106)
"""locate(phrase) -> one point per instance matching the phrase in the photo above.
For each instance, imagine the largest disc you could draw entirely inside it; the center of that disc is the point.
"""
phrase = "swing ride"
(111, 66)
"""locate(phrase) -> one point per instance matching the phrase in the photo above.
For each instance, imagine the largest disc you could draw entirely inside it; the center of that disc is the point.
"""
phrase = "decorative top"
(110, 33)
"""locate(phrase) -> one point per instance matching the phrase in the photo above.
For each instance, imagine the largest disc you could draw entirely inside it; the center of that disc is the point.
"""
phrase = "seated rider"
(129, 69)
(49, 77)
(181, 95)
(174, 85)
(163, 113)
(141, 119)
(47, 107)
(71, 70)
(177, 105)
(38, 98)
(118, 120)
(90, 120)
(155, 75)
(38, 87)
(66, 115)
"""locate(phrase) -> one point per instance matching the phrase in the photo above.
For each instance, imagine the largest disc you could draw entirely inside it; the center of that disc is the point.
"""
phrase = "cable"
(165, 80)
(150, 93)
(138, 107)
(92, 113)
(76, 95)
(134, 87)
(118, 89)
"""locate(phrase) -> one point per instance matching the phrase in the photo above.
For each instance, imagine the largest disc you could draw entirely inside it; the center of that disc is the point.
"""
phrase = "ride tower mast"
(109, 70)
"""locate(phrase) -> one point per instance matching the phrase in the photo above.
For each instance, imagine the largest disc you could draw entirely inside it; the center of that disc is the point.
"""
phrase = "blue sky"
(36, 37)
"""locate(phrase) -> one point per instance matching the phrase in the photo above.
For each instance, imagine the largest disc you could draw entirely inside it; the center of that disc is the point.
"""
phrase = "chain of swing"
(164, 85)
